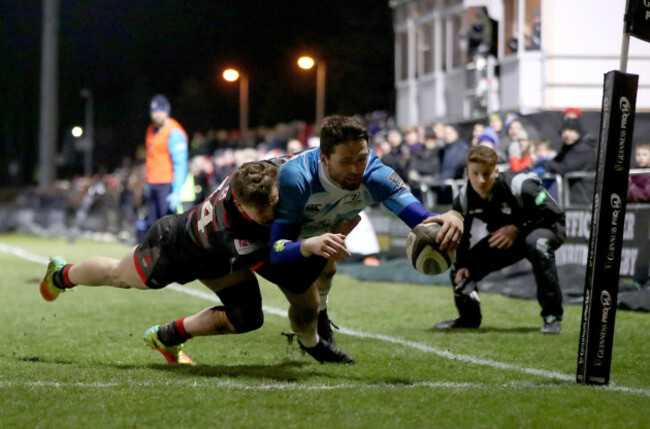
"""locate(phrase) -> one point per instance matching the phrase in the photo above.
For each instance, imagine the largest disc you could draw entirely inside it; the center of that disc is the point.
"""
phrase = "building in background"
(460, 60)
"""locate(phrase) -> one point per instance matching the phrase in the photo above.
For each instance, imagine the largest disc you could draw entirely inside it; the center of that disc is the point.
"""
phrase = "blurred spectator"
(519, 152)
(576, 154)
(496, 123)
(477, 130)
(452, 164)
(425, 163)
(295, 146)
(200, 145)
(481, 36)
(533, 32)
(542, 151)
(571, 113)
(412, 139)
(513, 125)
(399, 154)
(313, 141)
(452, 161)
(490, 138)
(639, 185)
(224, 164)
(204, 176)
(439, 131)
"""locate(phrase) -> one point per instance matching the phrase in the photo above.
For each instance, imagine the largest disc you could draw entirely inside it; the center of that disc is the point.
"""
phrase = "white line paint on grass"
(233, 385)
(229, 384)
(394, 340)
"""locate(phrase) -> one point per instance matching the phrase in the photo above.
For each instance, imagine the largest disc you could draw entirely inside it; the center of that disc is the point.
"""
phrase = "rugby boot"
(456, 323)
(172, 354)
(49, 291)
(552, 325)
(325, 352)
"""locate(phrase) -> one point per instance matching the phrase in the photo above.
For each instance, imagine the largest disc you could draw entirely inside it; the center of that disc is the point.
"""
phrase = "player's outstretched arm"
(451, 229)
(328, 245)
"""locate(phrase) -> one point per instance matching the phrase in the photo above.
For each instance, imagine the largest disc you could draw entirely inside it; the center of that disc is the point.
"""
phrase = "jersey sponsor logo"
(397, 181)
(352, 199)
(146, 261)
(312, 208)
(246, 247)
(279, 245)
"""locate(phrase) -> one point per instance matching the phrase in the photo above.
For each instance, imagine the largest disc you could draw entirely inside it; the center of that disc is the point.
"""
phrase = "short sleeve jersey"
(309, 198)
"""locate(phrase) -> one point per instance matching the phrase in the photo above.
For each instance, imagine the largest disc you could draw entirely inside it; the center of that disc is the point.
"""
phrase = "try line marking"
(21, 253)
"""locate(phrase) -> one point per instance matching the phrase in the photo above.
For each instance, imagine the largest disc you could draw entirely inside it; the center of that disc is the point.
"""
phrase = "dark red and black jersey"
(218, 227)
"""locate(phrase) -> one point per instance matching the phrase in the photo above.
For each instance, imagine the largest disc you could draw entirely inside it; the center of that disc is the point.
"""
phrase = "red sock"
(180, 325)
(61, 278)
(66, 279)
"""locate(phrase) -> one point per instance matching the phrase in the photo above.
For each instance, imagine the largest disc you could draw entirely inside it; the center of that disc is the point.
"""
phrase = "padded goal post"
(609, 204)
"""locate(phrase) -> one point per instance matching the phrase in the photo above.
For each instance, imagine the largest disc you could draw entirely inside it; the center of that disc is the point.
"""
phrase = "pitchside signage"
(607, 228)
(638, 19)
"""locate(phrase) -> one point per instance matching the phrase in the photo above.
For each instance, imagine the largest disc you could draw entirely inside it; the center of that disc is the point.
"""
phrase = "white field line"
(264, 386)
(406, 343)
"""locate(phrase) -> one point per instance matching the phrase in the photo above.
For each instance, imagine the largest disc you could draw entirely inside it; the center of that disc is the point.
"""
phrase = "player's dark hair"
(340, 129)
(482, 155)
(253, 182)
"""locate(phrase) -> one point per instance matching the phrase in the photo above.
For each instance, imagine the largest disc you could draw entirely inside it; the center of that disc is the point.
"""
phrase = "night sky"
(126, 51)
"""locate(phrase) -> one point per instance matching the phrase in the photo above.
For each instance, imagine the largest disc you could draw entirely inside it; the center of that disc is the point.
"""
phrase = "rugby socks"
(308, 340)
(173, 333)
(323, 299)
(61, 278)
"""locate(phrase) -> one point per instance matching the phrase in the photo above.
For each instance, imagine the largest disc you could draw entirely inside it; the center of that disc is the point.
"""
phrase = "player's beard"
(349, 183)
(352, 185)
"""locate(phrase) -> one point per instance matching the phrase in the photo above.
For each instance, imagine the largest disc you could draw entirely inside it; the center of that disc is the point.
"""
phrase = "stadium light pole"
(307, 63)
(89, 131)
(231, 75)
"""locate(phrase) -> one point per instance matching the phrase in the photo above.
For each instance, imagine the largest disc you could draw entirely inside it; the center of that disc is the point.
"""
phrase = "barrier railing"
(430, 187)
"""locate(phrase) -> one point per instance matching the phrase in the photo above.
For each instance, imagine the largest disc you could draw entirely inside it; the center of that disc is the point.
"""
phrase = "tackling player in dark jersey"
(219, 243)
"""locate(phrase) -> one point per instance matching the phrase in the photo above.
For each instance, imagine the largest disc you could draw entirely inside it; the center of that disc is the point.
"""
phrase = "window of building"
(443, 44)
(402, 51)
(531, 37)
(533, 26)
(425, 47)
(458, 53)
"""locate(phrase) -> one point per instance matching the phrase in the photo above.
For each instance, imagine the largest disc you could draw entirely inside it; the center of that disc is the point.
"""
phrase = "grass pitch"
(81, 361)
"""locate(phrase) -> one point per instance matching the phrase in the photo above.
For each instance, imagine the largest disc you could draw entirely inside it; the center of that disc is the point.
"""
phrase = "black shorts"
(167, 255)
(294, 278)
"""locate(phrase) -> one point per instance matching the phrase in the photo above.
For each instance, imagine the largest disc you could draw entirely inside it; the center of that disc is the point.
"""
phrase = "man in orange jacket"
(166, 161)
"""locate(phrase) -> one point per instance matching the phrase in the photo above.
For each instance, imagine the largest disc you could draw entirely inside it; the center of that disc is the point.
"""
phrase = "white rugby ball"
(423, 251)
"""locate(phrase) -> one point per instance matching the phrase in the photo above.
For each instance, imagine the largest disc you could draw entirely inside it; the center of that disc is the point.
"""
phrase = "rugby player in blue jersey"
(322, 191)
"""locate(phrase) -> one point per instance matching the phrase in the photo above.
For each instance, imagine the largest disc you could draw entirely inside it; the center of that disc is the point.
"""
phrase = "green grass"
(81, 361)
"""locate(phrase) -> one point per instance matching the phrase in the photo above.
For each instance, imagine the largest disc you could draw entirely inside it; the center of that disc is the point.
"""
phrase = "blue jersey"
(311, 204)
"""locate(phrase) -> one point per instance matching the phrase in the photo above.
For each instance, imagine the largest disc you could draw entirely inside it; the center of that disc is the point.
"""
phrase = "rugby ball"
(423, 252)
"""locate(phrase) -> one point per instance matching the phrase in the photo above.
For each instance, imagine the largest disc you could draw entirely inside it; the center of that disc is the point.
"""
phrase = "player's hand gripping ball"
(423, 251)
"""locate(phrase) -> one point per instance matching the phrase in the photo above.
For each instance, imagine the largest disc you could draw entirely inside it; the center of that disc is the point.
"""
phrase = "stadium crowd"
(429, 158)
